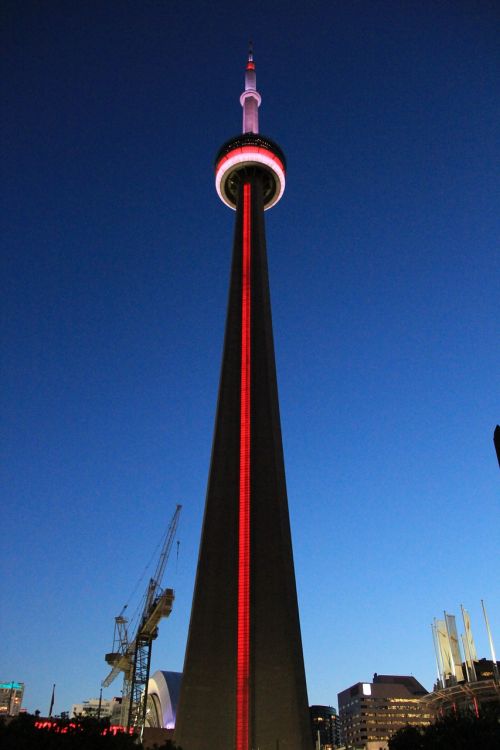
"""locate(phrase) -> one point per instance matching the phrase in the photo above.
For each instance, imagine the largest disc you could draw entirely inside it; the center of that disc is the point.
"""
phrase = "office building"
(371, 712)
(11, 698)
(102, 708)
(325, 727)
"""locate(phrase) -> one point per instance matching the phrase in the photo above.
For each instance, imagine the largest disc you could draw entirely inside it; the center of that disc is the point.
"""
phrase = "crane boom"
(155, 582)
(133, 658)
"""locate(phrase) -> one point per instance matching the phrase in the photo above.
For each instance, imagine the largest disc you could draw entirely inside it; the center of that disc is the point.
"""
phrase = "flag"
(468, 635)
(444, 648)
(451, 627)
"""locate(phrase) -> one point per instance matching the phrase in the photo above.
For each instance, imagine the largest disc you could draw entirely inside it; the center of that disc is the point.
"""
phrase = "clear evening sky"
(385, 284)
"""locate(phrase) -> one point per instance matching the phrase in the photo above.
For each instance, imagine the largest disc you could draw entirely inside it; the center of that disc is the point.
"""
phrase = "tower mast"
(243, 682)
(250, 99)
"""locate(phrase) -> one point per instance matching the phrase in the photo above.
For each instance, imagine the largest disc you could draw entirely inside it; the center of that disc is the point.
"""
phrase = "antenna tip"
(250, 62)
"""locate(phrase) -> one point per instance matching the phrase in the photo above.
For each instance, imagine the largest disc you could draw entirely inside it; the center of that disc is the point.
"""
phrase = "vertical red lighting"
(243, 641)
(476, 707)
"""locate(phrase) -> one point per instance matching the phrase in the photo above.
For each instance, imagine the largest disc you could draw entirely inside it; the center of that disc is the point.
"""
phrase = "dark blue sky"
(385, 282)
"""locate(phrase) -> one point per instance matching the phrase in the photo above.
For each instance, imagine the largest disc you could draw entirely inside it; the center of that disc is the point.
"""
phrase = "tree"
(22, 733)
(409, 738)
(462, 731)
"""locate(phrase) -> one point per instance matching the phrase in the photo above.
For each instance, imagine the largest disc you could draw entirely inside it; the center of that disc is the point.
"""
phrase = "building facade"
(11, 698)
(102, 708)
(371, 712)
(470, 697)
(325, 727)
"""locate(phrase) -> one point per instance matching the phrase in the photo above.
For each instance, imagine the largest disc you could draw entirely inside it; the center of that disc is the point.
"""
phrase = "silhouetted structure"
(496, 441)
(243, 682)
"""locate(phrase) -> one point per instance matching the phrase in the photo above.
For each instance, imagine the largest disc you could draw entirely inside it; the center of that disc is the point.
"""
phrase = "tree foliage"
(22, 733)
(83, 733)
(463, 731)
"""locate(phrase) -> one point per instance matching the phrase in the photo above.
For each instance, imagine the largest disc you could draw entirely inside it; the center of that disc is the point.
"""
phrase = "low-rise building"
(371, 712)
(11, 698)
(464, 696)
(107, 709)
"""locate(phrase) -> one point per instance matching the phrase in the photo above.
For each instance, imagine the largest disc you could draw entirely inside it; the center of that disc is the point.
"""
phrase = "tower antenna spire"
(250, 150)
(250, 99)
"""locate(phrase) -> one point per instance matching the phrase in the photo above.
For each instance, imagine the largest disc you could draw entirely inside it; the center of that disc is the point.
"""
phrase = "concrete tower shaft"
(243, 684)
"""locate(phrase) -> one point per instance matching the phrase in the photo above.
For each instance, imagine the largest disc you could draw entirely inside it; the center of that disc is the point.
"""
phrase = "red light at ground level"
(61, 727)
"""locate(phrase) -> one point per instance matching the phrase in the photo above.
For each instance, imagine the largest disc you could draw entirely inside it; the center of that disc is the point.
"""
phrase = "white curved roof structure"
(163, 697)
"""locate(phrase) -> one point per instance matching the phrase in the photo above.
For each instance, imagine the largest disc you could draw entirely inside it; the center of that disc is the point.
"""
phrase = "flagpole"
(492, 648)
(464, 644)
(11, 693)
(440, 671)
(52, 699)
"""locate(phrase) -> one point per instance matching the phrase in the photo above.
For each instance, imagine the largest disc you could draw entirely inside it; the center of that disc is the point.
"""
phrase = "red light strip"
(243, 641)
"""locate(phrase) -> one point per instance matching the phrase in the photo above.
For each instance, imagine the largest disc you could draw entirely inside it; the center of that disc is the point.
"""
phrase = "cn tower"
(243, 685)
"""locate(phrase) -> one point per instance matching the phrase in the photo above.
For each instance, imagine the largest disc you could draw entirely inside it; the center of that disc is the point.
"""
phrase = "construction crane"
(133, 657)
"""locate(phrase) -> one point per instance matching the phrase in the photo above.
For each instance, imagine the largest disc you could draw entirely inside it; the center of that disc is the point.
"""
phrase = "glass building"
(325, 727)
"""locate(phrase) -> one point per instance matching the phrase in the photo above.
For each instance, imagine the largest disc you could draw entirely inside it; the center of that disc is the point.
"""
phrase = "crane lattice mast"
(133, 658)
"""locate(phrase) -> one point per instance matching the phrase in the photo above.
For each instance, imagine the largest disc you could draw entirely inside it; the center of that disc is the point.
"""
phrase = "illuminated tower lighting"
(243, 684)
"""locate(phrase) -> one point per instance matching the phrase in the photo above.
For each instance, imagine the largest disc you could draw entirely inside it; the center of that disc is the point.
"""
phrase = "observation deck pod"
(243, 155)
